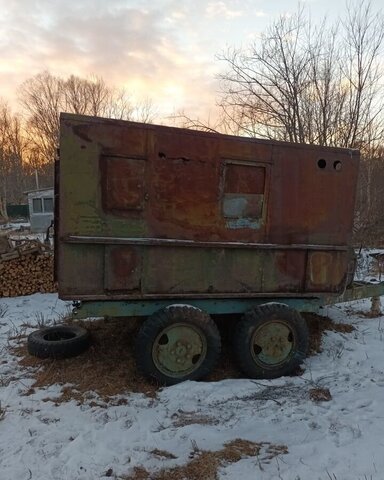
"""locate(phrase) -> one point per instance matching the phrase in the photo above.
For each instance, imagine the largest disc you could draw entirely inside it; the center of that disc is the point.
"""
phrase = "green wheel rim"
(179, 350)
(272, 343)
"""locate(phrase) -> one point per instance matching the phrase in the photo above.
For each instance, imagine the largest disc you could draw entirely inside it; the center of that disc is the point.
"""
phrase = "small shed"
(41, 208)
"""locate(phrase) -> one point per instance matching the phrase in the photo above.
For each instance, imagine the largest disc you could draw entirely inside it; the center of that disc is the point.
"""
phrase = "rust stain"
(146, 181)
(124, 268)
(123, 185)
(327, 271)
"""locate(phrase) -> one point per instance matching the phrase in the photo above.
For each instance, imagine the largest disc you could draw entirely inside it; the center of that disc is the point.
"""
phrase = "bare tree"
(44, 96)
(319, 84)
(12, 149)
(363, 35)
(41, 97)
(145, 111)
(309, 84)
(117, 105)
(81, 96)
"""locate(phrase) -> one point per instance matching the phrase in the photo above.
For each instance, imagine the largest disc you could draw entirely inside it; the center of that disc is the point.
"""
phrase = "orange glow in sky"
(164, 50)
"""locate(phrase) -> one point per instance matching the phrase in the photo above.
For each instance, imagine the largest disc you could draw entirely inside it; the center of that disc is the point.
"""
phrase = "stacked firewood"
(26, 269)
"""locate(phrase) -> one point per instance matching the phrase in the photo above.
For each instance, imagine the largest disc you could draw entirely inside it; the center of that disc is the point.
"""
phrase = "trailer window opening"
(244, 186)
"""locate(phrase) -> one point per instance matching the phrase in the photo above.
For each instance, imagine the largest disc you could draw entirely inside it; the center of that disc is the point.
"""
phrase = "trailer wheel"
(271, 341)
(62, 341)
(177, 343)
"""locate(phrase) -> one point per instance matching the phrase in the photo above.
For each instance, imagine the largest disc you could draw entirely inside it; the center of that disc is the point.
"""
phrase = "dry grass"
(2, 412)
(3, 310)
(317, 325)
(181, 419)
(320, 394)
(108, 368)
(162, 454)
(205, 464)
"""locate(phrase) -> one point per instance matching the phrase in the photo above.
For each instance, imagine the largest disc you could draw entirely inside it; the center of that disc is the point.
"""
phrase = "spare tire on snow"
(62, 341)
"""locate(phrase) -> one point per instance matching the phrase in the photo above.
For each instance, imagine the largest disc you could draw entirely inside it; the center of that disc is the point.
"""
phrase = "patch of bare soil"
(108, 368)
(205, 464)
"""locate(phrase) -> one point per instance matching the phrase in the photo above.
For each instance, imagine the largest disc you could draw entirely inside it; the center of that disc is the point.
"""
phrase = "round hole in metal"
(163, 340)
(321, 163)
(337, 165)
(195, 359)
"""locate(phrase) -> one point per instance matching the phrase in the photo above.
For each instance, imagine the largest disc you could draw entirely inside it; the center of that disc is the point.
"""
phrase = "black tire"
(271, 341)
(62, 341)
(181, 334)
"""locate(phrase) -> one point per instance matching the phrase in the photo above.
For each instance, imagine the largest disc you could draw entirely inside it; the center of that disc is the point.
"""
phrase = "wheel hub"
(179, 349)
(272, 343)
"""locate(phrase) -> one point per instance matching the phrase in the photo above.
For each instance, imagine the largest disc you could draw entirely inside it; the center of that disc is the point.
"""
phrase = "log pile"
(27, 269)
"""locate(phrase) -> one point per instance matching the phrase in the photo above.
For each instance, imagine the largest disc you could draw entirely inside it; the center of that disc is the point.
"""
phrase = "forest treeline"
(29, 139)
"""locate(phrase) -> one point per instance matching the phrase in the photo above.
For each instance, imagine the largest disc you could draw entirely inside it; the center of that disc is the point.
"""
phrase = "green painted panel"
(81, 211)
(82, 270)
(201, 270)
(212, 306)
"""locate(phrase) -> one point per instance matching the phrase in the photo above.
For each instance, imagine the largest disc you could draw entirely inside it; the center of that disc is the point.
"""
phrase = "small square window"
(37, 205)
(48, 204)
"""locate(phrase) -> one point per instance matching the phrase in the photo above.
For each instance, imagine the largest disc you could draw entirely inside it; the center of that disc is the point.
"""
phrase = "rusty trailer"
(179, 225)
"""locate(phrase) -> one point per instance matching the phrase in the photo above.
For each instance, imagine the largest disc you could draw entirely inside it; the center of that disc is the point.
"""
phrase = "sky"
(164, 50)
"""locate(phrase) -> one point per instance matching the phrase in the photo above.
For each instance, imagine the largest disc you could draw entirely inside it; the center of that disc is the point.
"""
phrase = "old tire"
(62, 341)
(271, 341)
(177, 343)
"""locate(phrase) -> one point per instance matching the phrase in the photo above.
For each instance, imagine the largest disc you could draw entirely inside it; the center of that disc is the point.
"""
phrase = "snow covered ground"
(338, 439)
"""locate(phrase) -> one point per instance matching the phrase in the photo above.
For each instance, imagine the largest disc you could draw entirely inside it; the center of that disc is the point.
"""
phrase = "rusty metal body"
(152, 212)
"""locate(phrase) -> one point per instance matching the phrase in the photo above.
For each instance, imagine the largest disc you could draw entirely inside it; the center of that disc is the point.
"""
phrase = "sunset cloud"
(163, 49)
(125, 45)
(216, 9)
